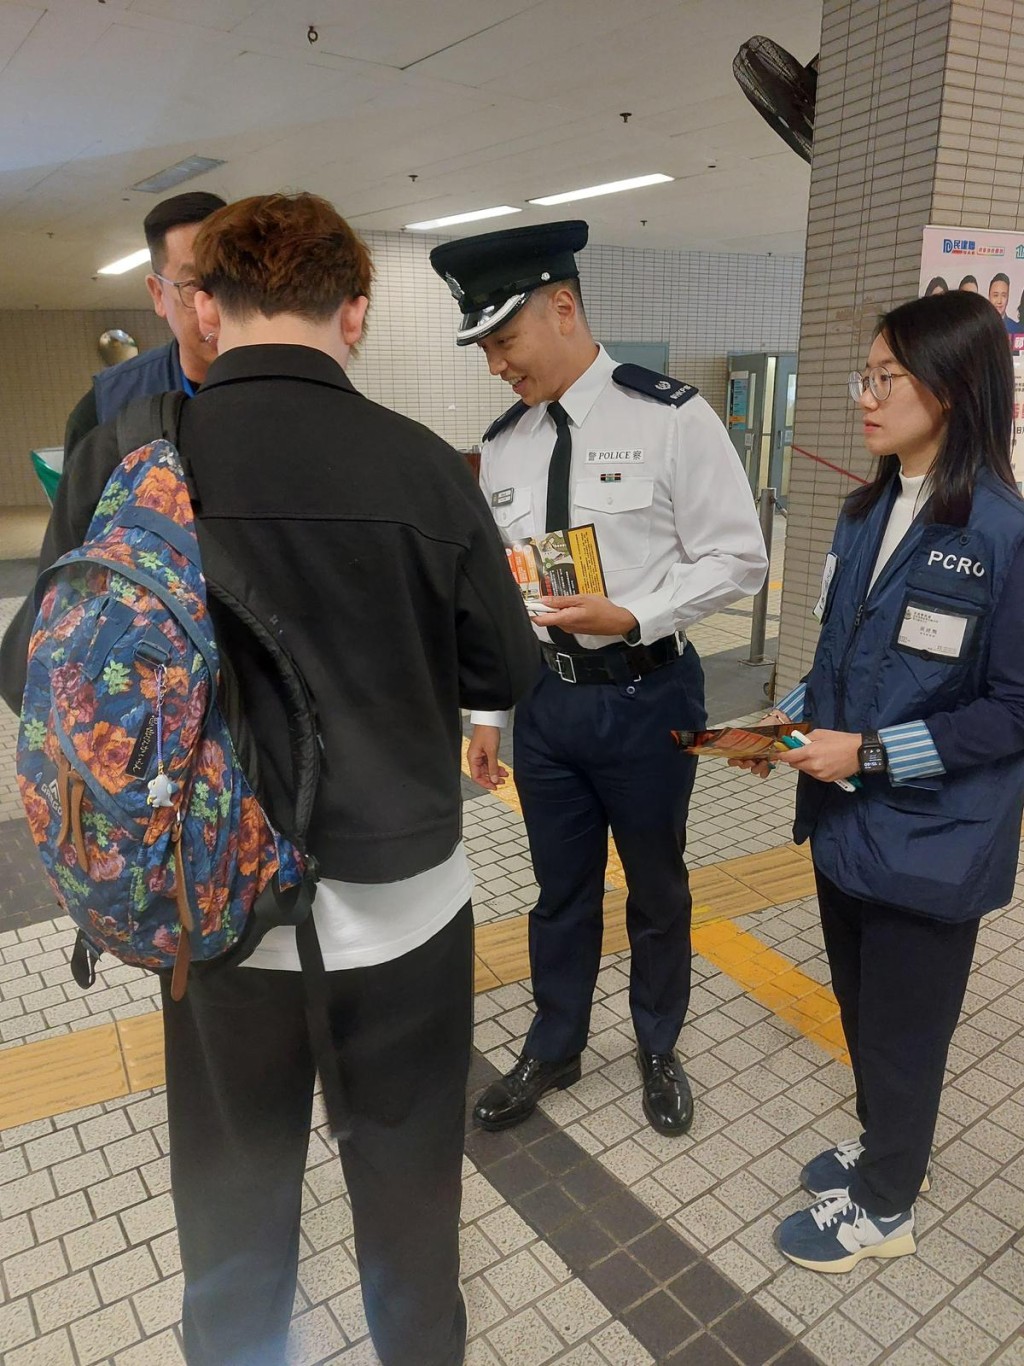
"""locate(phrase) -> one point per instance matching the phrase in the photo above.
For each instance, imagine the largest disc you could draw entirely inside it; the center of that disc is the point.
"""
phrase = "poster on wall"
(987, 262)
(992, 264)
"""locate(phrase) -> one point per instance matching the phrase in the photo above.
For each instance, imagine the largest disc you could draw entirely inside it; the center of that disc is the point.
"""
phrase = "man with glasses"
(182, 363)
(171, 229)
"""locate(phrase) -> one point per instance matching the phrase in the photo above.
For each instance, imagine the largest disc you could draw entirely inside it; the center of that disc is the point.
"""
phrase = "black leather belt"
(612, 664)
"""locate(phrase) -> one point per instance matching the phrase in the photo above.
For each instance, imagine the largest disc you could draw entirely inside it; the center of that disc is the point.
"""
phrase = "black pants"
(588, 757)
(240, 1081)
(900, 980)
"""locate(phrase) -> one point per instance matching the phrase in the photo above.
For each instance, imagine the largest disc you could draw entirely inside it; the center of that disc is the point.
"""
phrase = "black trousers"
(588, 757)
(900, 980)
(240, 1078)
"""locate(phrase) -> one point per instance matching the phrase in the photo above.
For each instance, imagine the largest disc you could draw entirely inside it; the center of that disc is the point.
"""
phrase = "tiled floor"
(588, 1240)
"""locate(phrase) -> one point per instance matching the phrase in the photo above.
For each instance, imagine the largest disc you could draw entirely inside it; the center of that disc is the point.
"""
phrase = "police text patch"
(628, 456)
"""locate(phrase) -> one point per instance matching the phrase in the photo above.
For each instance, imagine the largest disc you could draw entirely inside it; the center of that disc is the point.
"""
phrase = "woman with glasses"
(917, 691)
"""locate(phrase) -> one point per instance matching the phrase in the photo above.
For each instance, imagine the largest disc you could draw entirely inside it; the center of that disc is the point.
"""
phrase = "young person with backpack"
(357, 543)
(917, 690)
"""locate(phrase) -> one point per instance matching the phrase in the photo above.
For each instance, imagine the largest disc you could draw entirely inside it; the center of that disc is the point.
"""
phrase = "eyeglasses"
(878, 379)
(186, 289)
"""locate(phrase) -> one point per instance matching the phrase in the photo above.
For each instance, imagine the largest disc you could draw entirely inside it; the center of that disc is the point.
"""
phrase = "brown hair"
(279, 253)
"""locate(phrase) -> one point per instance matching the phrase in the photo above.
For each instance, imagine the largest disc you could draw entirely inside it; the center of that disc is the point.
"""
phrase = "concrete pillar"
(919, 119)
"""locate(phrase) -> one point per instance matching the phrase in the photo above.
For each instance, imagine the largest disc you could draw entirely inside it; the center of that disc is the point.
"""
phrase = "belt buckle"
(566, 670)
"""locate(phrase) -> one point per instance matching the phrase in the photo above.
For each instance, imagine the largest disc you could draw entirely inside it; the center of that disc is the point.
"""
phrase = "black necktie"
(557, 518)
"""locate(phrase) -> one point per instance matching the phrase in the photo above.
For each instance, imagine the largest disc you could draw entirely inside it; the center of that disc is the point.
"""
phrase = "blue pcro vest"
(943, 846)
(154, 372)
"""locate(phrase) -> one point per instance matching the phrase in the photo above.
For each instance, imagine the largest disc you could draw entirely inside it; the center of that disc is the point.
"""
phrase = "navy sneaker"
(835, 1234)
(830, 1171)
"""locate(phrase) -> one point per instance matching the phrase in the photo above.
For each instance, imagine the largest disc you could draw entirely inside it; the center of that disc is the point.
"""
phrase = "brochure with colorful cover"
(557, 564)
(738, 742)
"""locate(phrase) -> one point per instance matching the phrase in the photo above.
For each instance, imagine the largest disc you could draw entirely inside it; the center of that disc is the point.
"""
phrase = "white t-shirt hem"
(378, 922)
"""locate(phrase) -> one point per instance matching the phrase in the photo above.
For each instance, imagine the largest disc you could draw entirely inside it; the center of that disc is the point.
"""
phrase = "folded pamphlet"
(557, 564)
(738, 742)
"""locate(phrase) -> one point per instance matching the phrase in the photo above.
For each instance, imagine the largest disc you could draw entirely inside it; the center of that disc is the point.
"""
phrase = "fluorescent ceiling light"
(177, 174)
(454, 218)
(137, 258)
(613, 187)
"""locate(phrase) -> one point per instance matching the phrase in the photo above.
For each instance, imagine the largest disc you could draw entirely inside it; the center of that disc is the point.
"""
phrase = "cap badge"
(457, 291)
(663, 384)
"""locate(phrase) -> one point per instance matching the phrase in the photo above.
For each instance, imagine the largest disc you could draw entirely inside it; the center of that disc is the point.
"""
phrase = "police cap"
(491, 275)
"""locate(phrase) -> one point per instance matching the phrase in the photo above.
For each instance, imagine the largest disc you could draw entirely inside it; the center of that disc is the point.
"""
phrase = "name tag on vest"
(827, 575)
(926, 631)
(631, 456)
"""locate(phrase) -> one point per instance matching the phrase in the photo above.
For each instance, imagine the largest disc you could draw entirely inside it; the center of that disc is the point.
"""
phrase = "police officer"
(917, 690)
(647, 462)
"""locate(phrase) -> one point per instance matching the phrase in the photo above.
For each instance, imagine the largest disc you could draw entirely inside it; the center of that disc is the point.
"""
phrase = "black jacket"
(366, 535)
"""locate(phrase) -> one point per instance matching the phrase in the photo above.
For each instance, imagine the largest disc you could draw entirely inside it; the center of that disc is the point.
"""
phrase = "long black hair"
(954, 344)
(940, 282)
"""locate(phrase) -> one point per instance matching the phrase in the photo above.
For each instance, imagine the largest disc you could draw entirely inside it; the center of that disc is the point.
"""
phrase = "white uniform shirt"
(678, 534)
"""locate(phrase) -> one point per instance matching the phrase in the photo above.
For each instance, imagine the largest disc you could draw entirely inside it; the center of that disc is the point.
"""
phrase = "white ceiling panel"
(483, 101)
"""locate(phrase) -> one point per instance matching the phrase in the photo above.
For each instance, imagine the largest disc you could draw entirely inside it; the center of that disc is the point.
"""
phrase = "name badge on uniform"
(827, 575)
(628, 456)
(502, 497)
(928, 632)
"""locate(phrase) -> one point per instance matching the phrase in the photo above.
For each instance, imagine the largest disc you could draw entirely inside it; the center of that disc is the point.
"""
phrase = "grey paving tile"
(54, 1349)
(954, 1337)
(36, 1266)
(525, 1340)
(105, 1332)
(751, 1334)
(573, 1311)
(879, 1313)
(976, 1227)
(999, 1313)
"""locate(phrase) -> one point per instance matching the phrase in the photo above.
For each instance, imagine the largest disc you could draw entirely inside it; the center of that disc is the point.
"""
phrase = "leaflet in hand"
(736, 742)
(557, 564)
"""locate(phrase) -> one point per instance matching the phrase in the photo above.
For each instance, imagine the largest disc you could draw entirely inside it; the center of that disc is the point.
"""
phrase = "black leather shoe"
(514, 1097)
(668, 1101)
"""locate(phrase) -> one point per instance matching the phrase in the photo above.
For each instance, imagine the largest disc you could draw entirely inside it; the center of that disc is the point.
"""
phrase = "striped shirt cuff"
(911, 752)
(793, 703)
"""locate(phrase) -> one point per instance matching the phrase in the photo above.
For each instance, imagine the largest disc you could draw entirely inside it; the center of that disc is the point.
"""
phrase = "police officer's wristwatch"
(871, 755)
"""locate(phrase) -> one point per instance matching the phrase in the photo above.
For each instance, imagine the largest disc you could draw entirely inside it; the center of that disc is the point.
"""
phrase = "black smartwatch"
(632, 637)
(871, 755)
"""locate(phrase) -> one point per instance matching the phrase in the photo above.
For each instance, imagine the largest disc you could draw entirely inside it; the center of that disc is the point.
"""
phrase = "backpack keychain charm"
(161, 788)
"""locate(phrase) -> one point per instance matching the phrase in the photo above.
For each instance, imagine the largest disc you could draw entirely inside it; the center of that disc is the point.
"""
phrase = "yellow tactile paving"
(483, 978)
(781, 875)
(717, 895)
(142, 1043)
(46, 1078)
(774, 982)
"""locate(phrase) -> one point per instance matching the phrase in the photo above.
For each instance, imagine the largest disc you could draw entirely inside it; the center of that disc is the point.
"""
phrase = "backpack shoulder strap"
(149, 418)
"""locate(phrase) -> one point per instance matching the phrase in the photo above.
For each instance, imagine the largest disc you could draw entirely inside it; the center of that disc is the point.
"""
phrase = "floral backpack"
(152, 838)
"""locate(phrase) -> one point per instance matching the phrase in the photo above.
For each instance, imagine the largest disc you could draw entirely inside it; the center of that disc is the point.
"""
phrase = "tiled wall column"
(919, 119)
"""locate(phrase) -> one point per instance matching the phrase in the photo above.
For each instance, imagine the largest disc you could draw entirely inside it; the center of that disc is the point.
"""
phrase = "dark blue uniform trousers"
(588, 757)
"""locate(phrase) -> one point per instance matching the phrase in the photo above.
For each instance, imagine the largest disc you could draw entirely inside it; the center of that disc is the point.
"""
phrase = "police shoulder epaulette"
(649, 382)
(510, 415)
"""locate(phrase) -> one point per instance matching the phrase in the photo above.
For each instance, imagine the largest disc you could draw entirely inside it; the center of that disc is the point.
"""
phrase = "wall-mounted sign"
(987, 262)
